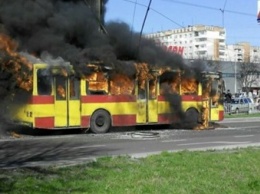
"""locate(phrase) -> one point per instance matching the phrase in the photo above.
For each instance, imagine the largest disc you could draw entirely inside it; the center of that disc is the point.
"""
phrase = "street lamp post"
(235, 76)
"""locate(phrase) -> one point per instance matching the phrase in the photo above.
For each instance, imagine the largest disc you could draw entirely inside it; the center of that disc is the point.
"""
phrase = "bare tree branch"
(248, 74)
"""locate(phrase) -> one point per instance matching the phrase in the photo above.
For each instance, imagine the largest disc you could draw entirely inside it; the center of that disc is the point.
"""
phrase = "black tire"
(191, 119)
(100, 122)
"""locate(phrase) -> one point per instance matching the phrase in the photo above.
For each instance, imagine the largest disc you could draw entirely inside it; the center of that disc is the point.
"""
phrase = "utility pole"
(223, 14)
(236, 76)
(97, 13)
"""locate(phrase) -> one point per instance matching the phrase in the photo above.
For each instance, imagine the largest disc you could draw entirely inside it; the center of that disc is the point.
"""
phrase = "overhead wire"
(194, 5)
(210, 8)
(154, 10)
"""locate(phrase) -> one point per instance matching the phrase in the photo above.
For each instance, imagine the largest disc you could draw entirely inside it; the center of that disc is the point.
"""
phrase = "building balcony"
(222, 52)
(201, 51)
(201, 38)
(222, 44)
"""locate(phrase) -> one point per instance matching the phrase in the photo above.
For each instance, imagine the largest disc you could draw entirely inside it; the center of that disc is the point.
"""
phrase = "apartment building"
(205, 42)
(194, 42)
(255, 54)
(243, 52)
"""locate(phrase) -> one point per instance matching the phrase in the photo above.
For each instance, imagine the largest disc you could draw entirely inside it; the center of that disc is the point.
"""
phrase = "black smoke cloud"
(70, 29)
(63, 28)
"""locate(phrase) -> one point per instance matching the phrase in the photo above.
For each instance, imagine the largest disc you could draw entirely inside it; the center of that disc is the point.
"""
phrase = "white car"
(241, 105)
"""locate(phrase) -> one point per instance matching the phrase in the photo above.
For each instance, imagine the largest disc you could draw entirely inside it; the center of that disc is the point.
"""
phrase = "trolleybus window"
(43, 83)
(96, 88)
(215, 93)
(152, 89)
(74, 88)
(61, 88)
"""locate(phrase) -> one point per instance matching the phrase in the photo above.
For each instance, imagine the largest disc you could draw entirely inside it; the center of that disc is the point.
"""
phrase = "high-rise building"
(243, 52)
(205, 42)
(194, 42)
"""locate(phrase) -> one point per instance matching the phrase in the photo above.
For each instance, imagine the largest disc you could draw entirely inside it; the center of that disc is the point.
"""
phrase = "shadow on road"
(48, 152)
(14, 131)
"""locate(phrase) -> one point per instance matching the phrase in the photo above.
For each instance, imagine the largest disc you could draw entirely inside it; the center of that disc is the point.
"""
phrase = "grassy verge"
(242, 115)
(228, 171)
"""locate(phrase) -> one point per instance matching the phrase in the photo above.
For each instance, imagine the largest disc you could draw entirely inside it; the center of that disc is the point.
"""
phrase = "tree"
(248, 74)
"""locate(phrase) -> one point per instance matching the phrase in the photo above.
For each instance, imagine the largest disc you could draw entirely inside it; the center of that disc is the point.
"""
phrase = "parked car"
(241, 105)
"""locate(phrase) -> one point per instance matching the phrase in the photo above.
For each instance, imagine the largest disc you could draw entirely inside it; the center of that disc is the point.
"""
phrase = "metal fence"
(246, 109)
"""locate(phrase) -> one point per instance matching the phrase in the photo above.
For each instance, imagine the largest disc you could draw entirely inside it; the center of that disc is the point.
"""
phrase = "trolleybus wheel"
(100, 122)
(191, 118)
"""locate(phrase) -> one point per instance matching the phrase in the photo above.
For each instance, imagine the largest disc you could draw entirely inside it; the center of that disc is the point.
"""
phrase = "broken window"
(61, 88)
(44, 83)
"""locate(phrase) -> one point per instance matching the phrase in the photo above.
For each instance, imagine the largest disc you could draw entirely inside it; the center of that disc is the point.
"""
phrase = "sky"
(239, 17)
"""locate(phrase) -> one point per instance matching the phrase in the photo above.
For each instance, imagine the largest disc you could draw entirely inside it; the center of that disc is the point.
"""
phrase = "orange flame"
(19, 66)
(142, 74)
(121, 84)
(61, 91)
(189, 86)
(97, 82)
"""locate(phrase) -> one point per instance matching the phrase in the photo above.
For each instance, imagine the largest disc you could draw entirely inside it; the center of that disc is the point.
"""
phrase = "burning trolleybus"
(103, 99)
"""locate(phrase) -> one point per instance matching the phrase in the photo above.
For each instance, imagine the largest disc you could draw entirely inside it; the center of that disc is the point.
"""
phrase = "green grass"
(220, 172)
(245, 115)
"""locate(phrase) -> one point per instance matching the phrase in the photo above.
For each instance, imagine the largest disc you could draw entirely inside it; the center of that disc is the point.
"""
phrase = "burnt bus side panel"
(122, 108)
(38, 113)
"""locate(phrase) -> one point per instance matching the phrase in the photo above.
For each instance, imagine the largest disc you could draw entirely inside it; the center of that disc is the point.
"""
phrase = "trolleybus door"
(67, 105)
(152, 110)
(147, 104)
(74, 102)
(141, 116)
(214, 105)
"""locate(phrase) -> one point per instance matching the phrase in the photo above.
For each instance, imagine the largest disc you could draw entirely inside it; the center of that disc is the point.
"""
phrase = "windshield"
(249, 100)
(234, 101)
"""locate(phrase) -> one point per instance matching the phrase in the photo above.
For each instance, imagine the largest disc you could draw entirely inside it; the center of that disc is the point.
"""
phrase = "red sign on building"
(176, 49)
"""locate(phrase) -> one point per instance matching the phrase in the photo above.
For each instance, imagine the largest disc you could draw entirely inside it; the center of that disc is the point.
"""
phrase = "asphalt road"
(72, 148)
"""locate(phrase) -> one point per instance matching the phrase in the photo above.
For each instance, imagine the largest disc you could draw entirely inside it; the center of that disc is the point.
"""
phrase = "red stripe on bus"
(191, 98)
(124, 120)
(107, 98)
(42, 100)
(221, 115)
(164, 118)
(168, 118)
(184, 98)
(161, 98)
(44, 122)
(85, 121)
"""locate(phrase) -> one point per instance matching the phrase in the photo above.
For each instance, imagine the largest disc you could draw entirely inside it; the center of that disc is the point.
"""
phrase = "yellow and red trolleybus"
(61, 100)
